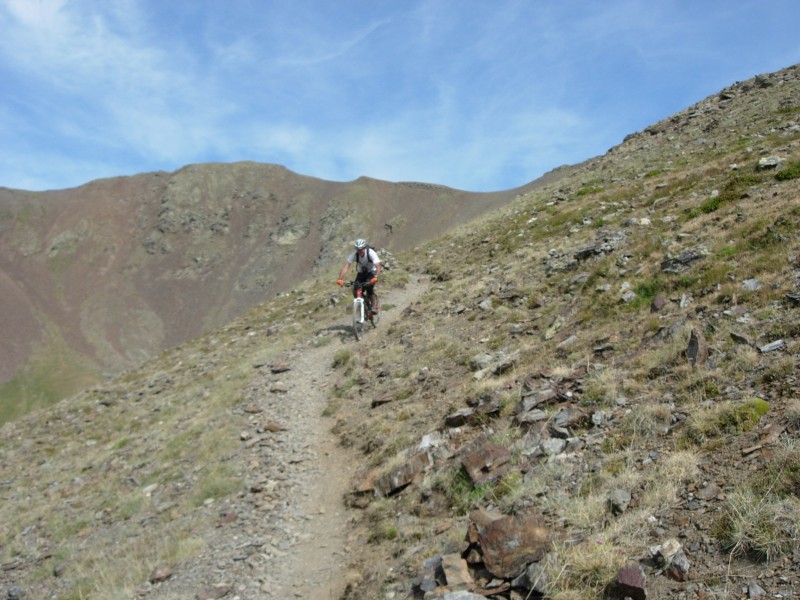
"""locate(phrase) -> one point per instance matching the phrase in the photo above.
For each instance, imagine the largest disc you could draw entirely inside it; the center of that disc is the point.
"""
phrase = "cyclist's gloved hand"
(374, 280)
(340, 282)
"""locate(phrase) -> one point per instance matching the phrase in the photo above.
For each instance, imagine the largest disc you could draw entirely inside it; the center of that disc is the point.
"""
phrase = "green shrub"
(585, 191)
(730, 192)
(463, 496)
(789, 172)
(383, 533)
(727, 418)
(647, 290)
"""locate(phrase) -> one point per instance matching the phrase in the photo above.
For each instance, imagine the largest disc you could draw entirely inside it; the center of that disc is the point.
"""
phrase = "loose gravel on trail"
(288, 536)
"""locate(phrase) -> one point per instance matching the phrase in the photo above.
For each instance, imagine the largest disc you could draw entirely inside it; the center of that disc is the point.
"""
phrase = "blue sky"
(475, 94)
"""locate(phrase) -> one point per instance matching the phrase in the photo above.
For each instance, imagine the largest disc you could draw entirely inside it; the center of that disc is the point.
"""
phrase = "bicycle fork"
(359, 303)
(360, 308)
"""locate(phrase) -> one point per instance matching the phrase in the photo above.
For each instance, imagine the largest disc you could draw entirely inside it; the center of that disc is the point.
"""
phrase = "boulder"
(394, 481)
(482, 464)
(510, 544)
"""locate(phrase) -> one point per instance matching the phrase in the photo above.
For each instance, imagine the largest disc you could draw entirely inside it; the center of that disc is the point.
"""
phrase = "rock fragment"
(630, 583)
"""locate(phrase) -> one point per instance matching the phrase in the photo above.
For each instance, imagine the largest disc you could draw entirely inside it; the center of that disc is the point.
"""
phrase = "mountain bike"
(362, 309)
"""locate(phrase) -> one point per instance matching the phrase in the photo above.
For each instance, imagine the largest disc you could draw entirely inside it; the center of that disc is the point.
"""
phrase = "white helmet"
(360, 244)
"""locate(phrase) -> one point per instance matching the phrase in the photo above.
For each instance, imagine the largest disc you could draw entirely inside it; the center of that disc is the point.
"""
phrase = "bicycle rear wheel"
(375, 318)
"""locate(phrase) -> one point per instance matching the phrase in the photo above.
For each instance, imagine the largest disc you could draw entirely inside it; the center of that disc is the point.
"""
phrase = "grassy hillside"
(591, 290)
(620, 345)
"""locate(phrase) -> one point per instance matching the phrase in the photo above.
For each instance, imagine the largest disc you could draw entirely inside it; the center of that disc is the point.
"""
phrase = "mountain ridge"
(108, 274)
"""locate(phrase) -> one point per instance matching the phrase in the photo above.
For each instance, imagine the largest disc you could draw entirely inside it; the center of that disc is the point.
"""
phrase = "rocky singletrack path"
(287, 534)
(308, 527)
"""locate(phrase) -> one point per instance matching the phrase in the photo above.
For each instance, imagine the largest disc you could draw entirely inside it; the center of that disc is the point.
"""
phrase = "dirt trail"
(316, 567)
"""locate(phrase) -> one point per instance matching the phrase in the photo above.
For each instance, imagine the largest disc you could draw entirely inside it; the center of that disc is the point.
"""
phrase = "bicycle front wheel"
(358, 320)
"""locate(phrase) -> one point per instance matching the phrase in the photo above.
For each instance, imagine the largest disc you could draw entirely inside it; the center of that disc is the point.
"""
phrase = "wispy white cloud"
(37, 15)
(473, 95)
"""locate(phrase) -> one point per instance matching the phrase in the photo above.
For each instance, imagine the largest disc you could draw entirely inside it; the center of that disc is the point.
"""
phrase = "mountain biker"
(369, 268)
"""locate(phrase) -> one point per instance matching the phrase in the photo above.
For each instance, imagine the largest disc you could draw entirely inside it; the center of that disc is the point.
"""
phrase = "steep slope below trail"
(291, 536)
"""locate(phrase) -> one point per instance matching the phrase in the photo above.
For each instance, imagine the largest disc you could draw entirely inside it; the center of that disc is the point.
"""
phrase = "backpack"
(369, 264)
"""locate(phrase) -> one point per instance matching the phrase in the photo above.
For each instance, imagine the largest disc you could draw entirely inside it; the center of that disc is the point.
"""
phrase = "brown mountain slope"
(103, 276)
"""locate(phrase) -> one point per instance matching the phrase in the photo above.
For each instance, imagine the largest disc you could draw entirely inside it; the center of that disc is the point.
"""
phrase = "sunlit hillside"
(591, 391)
